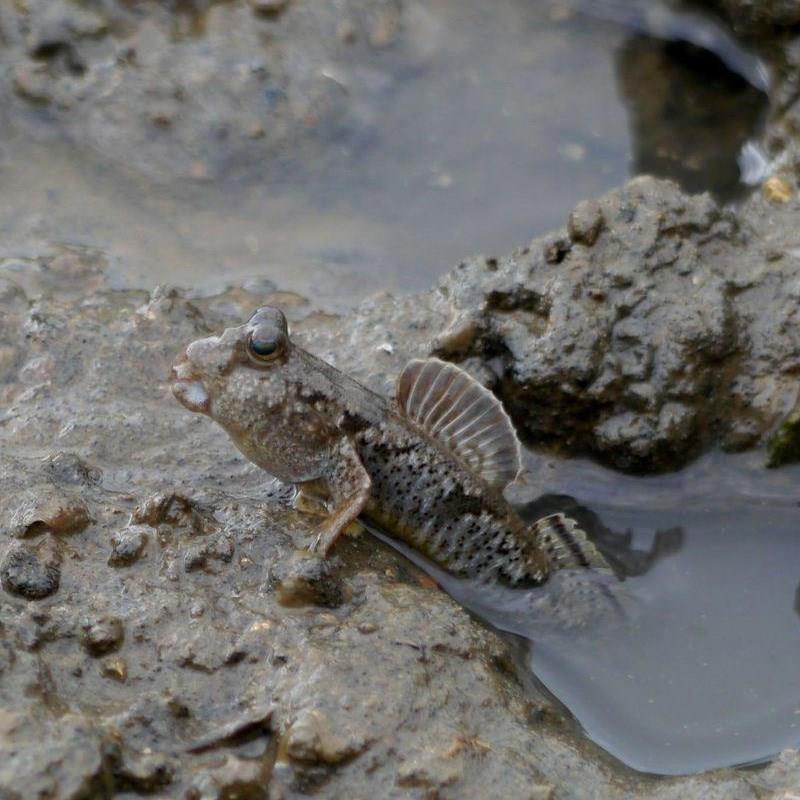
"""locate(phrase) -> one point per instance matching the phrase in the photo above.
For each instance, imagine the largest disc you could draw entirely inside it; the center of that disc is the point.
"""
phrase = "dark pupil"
(264, 347)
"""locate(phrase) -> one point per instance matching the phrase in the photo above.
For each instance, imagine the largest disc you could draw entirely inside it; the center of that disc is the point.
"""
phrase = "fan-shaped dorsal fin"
(467, 418)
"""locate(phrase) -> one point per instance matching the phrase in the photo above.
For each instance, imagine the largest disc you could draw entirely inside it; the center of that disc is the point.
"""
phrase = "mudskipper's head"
(238, 377)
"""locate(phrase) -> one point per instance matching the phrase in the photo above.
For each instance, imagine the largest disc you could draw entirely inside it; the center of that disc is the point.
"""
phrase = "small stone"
(59, 25)
(127, 545)
(48, 510)
(115, 668)
(70, 468)
(311, 739)
(31, 573)
(177, 707)
(197, 609)
(172, 509)
(585, 223)
(194, 558)
(777, 190)
(427, 770)
(556, 250)
(146, 773)
(367, 627)
(102, 635)
(269, 8)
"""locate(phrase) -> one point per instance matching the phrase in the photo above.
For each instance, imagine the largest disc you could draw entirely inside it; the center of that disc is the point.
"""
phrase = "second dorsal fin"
(467, 418)
(566, 545)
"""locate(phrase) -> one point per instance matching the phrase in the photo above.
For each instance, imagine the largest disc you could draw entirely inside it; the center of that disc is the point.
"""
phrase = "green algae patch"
(784, 446)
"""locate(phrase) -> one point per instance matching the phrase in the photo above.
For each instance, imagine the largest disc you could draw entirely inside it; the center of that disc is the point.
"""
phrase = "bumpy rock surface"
(188, 651)
(640, 334)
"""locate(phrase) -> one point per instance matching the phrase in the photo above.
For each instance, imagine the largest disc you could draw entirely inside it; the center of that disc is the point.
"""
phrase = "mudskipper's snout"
(188, 387)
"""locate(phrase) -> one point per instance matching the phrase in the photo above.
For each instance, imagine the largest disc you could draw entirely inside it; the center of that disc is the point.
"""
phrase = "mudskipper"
(428, 466)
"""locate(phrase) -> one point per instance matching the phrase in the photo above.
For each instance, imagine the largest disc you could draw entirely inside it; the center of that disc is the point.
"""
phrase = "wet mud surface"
(161, 631)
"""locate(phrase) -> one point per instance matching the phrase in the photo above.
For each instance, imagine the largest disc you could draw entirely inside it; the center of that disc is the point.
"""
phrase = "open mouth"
(189, 391)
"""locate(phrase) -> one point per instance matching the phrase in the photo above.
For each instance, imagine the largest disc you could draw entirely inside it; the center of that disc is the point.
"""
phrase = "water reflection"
(618, 547)
(690, 115)
(688, 662)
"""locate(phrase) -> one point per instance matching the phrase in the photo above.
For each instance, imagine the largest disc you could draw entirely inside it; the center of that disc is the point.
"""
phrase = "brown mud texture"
(161, 631)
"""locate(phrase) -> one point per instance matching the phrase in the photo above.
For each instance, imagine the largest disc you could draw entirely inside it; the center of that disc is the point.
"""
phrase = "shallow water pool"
(691, 662)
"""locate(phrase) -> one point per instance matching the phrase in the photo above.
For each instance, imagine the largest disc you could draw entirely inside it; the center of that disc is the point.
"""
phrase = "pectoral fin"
(349, 486)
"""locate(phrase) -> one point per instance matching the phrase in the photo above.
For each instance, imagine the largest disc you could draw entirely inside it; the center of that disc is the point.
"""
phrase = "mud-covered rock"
(128, 545)
(643, 349)
(47, 509)
(102, 635)
(32, 573)
(311, 738)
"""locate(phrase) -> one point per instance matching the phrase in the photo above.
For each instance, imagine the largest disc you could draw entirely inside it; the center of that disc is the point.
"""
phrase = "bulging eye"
(265, 346)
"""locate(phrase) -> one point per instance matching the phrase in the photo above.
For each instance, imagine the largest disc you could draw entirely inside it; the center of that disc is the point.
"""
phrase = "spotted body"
(428, 466)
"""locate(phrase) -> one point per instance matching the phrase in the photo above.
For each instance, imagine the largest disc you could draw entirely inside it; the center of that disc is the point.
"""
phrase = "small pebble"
(32, 573)
(585, 222)
(367, 627)
(115, 668)
(194, 558)
(176, 707)
(102, 635)
(556, 250)
(127, 545)
(777, 190)
(311, 738)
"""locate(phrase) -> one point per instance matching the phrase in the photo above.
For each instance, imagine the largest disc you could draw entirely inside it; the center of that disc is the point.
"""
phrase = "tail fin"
(566, 545)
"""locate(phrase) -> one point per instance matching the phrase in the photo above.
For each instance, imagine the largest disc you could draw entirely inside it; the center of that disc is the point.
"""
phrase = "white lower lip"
(192, 394)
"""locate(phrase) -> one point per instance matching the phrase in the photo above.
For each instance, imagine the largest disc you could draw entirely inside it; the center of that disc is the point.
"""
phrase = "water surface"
(691, 662)
(520, 110)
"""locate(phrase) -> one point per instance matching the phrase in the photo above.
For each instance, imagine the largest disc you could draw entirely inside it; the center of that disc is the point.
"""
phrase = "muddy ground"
(161, 632)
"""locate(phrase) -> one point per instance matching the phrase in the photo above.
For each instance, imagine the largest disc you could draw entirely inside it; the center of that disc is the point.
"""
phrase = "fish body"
(427, 466)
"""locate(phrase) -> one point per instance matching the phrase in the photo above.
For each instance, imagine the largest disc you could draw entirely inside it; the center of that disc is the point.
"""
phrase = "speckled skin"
(305, 422)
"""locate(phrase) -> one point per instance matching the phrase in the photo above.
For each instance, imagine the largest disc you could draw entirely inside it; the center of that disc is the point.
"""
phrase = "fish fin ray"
(452, 407)
(567, 545)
